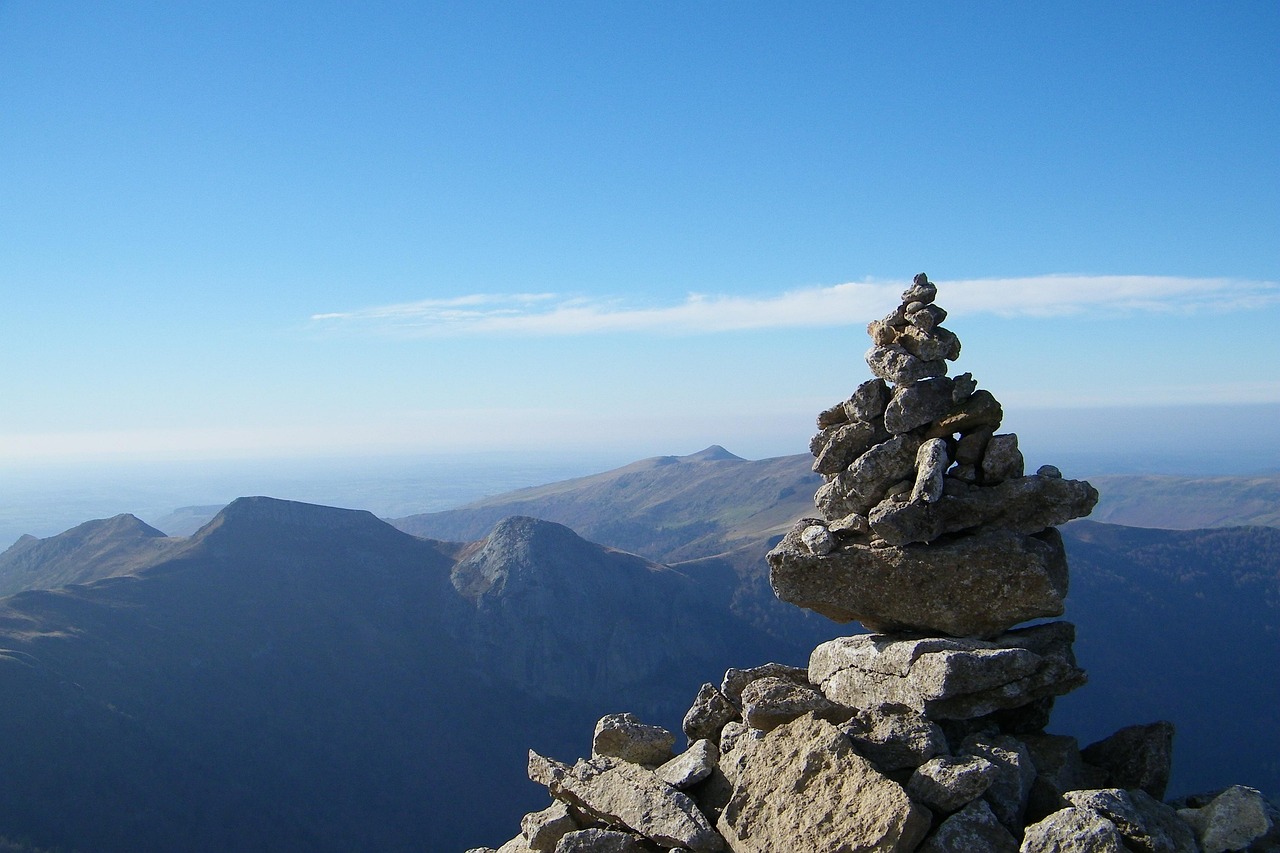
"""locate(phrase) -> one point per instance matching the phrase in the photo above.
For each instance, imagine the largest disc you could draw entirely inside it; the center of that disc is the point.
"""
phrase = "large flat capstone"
(972, 586)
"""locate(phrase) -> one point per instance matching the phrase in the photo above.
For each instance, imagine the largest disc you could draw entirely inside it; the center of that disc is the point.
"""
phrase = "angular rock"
(542, 830)
(971, 586)
(944, 783)
(868, 401)
(931, 466)
(804, 783)
(918, 404)
(624, 737)
(931, 346)
(736, 680)
(711, 709)
(948, 678)
(770, 701)
(691, 766)
(832, 417)
(843, 444)
(1231, 821)
(894, 364)
(735, 734)
(1148, 825)
(1025, 505)
(600, 841)
(1073, 830)
(1011, 788)
(1058, 769)
(1001, 460)
(1135, 757)
(818, 539)
(894, 737)
(981, 409)
(870, 475)
(972, 445)
(921, 290)
(973, 829)
(925, 317)
(620, 793)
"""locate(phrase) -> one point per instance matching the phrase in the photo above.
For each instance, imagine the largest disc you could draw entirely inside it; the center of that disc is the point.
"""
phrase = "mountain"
(1188, 502)
(666, 508)
(295, 677)
(93, 550)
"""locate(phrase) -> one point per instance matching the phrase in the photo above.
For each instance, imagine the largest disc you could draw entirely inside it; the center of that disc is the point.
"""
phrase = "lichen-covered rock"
(711, 709)
(620, 793)
(623, 736)
(1135, 757)
(843, 444)
(868, 402)
(771, 701)
(972, 586)
(600, 841)
(946, 783)
(1231, 821)
(894, 364)
(948, 678)
(804, 781)
(1073, 830)
(918, 404)
(691, 766)
(973, 829)
(1148, 825)
(736, 680)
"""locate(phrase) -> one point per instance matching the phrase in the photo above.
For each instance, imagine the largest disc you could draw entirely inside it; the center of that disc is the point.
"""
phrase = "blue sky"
(280, 229)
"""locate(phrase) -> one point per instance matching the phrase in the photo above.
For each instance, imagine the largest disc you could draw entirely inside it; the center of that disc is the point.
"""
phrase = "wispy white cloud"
(547, 314)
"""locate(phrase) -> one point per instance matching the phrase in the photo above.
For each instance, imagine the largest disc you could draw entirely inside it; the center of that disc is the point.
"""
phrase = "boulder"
(542, 830)
(1010, 787)
(946, 783)
(869, 476)
(1231, 821)
(868, 402)
(1148, 825)
(620, 793)
(894, 364)
(970, 586)
(736, 680)
(931, 466)
(843, 444)
(1135, 757)
(623, 736)
(946, 678)
(1001, 460)
(711, 709)
(1072, 830)
(1024, 505)
(894, 737)
(691, 766)
(973, 829)
(771, 701)
(918, 404)
(804, 780)
(980, 409)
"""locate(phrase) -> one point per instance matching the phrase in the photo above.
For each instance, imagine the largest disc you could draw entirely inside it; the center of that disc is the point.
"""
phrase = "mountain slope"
(93, 550)
(1188, 503)
(296, 677)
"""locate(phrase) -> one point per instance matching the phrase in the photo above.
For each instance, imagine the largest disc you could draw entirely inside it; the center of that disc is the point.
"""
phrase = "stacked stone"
(928, 735)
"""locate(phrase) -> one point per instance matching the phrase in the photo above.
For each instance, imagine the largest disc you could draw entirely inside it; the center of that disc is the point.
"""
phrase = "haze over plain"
(284, 230)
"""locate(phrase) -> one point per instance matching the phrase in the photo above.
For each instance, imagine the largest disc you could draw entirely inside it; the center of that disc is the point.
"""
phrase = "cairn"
(929, 734)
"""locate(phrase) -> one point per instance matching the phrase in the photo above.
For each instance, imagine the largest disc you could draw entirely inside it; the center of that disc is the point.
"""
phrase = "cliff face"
(930, 733)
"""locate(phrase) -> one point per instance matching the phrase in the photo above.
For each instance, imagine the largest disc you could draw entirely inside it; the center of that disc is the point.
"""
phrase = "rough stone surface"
(818, 539)
(868, 402)
(948, 678)
(931, 467)
(600, 841)
(736, 680)
(1025, 505)
(711, 709)
(542, 830)
(895, 737)
(869, 476)
(691, 766)
(1148, 825)
(771, 701)
(946, 783)
(1231, 821)
(973, 829)
(894, 364)
(623, 736)
(805, 781)
(1001, 460)
(1010, 788)
(1135, 757)
(918, 404)
(973, 586)
(1073, 830)
(620, 793)
(1058, 769)
(843, 444)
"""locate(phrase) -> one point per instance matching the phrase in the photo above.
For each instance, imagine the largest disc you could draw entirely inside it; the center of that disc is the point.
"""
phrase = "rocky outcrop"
(929, 734)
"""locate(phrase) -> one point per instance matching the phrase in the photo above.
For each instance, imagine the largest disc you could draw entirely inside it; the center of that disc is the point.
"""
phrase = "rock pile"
(929, 734)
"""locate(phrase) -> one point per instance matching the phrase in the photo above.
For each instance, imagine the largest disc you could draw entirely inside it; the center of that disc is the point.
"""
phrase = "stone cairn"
(927, 735)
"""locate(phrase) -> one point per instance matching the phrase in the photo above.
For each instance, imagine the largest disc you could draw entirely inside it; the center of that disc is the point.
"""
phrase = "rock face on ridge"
(930, 734)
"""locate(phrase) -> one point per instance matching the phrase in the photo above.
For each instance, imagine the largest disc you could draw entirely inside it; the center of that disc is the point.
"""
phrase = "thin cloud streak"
(546, 314)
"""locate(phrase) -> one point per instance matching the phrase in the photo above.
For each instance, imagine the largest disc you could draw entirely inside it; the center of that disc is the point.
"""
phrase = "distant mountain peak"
(277, 511)
(714, 453)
